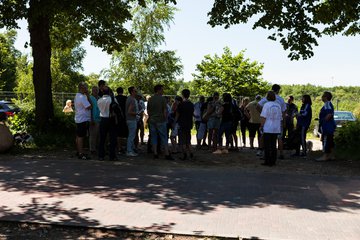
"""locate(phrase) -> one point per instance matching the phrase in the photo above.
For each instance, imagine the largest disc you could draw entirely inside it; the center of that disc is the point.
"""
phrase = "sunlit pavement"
(215, 202)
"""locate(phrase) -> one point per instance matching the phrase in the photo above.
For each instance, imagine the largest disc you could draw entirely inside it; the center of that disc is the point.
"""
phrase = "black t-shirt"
(227, 114)
(186, 112)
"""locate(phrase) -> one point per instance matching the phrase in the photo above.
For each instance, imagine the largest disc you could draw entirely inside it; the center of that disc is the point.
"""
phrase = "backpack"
(116, 113)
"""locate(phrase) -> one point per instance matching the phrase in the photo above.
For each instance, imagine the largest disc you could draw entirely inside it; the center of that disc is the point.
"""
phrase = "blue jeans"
(158, 129)
(131, 136)
(225, 127)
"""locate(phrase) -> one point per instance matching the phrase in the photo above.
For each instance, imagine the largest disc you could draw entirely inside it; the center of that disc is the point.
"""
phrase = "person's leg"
(103, 133)
(303, 140)
(113, 142)
(273, 151)
(142, 131)
(267, 148)
(131, 137)
(243, 132)
(153, 138)
(252, 132)
(163, 138)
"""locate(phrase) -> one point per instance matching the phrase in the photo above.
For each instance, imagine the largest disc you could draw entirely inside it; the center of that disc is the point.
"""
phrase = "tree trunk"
(39, 28)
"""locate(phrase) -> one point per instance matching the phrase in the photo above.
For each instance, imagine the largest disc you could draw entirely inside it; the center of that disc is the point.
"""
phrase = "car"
(9, 108)
(340, 118)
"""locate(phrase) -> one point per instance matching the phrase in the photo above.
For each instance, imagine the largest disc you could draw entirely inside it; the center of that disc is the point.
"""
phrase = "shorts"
(184, 136)
(253, 128)
(328, 142)
(213, 122)
(158, 129)
(82, 129)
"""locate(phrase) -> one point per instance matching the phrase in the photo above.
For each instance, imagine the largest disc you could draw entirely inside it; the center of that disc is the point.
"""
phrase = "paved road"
(224, 202)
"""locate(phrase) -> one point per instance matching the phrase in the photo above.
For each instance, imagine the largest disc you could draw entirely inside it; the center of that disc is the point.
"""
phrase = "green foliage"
(141, 64)
(236, 75)
(297, 24)
(347, 140)
(61, 131)
(8, 59)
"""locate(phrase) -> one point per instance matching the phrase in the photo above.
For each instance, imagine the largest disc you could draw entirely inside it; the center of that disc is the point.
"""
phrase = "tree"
(8, 58)
(102, 20)
(236, 75)
(296, 23)
(141, 64)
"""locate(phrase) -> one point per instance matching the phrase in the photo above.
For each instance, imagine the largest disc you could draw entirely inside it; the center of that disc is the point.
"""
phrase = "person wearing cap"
(254, 121)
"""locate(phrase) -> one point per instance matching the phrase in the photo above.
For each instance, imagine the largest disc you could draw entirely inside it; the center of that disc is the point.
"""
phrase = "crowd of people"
(116, 124)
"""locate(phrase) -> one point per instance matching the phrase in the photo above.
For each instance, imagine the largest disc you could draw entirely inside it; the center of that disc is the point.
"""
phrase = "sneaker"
(218, 151)
(225, 151)
(131, 154)
(83, 156)
(259, 153)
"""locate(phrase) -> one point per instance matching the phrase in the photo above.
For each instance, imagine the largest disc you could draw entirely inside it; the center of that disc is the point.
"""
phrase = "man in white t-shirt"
(82, 118)
(276, 89)
(271, 118)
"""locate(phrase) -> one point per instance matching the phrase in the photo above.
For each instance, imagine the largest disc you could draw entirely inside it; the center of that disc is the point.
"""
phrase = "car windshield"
(343, 116)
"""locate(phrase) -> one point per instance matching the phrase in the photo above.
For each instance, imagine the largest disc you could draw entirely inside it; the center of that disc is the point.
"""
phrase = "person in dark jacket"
(303, 123)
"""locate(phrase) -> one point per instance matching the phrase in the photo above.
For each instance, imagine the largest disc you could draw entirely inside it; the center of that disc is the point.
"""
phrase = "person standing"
(184, 117)
(276, 89)
(227, 116)
(327, 126)
(271, 117)
(131, 111)
(244, 122)
(197, 117)
(122, 129)
(157, 112)
(254, 121)
(214, 119)
(303, 123)
(95, 121)
(82, 118)
(107, 125)
(290, 113)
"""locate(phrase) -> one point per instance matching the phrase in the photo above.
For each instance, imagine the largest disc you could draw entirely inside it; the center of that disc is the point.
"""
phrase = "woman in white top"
(271, 118)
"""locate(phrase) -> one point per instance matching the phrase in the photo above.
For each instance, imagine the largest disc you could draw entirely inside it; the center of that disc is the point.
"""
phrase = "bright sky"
(335, 63)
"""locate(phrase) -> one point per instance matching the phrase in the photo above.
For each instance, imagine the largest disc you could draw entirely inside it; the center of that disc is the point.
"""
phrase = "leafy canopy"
(141, 63)
(297, 24)
(236, 75)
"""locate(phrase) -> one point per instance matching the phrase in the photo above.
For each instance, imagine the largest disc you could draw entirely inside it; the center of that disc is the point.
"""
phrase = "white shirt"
(81, 103)
(273, 115)
(104, 106)
(279, 100)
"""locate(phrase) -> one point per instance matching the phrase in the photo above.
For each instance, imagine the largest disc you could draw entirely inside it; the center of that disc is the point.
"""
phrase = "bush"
(347, 140)
(60, 133)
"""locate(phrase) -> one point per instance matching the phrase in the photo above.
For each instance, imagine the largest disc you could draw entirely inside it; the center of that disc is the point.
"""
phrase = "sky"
(335, 63)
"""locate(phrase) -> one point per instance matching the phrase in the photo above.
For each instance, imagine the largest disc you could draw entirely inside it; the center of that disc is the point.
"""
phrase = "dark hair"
(307, 99)
(185, 93)
(178, 98)
(202, 98)
(328, 95)
(291, 97)
(101, 83)
(216, 94)
(131, 89)
(120, 90)
(271, 96)
(276, 88)
(106, 90)
(158, 88)
(227, 97)
(209, 99)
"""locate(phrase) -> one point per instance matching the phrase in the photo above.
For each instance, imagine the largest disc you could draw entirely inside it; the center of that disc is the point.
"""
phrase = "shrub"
(347, 140)
(60, 133)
